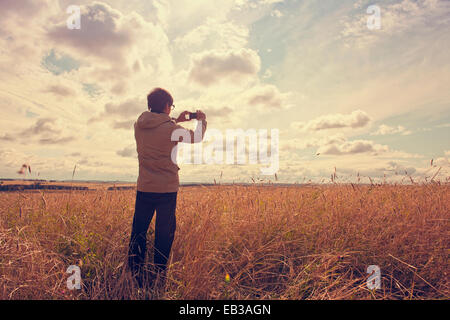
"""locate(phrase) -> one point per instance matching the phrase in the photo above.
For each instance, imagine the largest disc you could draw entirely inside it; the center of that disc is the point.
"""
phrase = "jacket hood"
(148, 120)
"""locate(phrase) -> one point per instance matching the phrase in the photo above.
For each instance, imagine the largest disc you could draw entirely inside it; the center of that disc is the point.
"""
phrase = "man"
(158, 181)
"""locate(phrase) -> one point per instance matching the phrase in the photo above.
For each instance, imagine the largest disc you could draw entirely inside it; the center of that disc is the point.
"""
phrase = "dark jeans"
(146, 204)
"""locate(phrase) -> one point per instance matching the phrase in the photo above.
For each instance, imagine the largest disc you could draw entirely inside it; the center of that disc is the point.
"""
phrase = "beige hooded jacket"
(154, 145)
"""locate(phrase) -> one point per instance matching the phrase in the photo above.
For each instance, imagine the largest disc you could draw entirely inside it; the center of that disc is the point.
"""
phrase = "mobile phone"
(192, 115)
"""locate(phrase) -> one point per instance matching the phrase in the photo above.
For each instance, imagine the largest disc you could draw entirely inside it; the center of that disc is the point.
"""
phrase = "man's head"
(159, 101)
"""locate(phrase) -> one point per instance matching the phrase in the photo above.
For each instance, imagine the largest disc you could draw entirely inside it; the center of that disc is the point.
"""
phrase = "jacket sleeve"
(181, 134)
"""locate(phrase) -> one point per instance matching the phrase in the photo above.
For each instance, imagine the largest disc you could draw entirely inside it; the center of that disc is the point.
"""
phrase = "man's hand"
(183, 116)
(201, 115)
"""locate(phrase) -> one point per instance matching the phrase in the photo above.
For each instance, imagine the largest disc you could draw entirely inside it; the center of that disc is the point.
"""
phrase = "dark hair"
(158, 99)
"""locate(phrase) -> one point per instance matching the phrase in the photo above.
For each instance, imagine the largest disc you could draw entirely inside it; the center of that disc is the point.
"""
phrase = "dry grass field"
(309, 242)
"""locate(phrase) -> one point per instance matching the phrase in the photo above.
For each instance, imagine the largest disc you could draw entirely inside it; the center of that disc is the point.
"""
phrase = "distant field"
(310, 242)
(35, 186)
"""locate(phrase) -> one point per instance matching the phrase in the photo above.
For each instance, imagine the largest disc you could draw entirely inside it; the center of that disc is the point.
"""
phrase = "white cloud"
(271, 1)
(104, 33)
(385, 130)
(338, 145)
(312, 142)
(352, 147)
(396, 18)
(231, 66)
(443, 161)
(357, 119)
(213, 35)
(267, 74)
(44, 131)
(276, 13)
(113, 46)
(21, 33)
(267, 96)
(398, 168)
(12, 159)
(241, 4)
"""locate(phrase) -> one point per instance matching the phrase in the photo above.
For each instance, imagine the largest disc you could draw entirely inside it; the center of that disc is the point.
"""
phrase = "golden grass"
(312, 242)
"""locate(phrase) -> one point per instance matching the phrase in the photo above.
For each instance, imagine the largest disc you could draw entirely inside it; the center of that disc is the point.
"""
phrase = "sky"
(347, 98)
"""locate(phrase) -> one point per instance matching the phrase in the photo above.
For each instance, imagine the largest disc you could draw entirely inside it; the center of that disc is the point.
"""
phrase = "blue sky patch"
(92, 89)
(30, 114)
(59, 63)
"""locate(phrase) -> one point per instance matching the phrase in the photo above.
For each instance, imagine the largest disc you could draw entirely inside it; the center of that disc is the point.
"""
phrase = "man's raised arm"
(184, 135)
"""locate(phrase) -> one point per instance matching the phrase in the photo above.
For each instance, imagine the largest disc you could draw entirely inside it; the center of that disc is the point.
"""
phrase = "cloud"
(398, 168)
(335, 145)
(121, 87)
(213, 35)
(7, 137)
(44, 131)
(443, 161)
(268, 74)
(24, 7)
(21, 33)
(299, 144)
(112, 45)
(357, 119)
(13, 9)
(103, 33)
(223, 112)
(338, 145)
(385, 130)
(55, 140)
(13, 159)
(271, 1)
(131, 107)
(396, 18)
(75, 154)
(87, 162)
(126, 109)
(250, 4)
(267, 96)
(123, 124)
(42, 126)
(352, 147)
(234, 66)
(60, 90)
(276, 13)
(128, 152)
